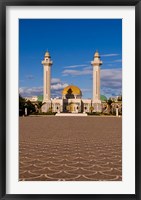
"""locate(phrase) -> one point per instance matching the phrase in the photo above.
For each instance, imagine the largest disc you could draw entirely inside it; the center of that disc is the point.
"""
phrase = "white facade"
(32, 99)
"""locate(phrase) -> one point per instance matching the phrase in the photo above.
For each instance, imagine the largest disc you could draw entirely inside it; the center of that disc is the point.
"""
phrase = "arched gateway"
(71, 100)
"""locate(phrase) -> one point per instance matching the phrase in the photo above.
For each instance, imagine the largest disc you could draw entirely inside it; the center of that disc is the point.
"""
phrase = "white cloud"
(112, 62)
(86, 68)
(116, 61)
(111, 92)
(74, 66)
(56, 87)
(55, 80)
(85, 71)
(111, 74)
(86, 90)
(111, 81)
(33, 91)
(110, 55)
(59, 86)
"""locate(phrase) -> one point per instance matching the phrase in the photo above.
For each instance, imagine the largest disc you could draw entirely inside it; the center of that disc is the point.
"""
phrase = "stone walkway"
(70, 149)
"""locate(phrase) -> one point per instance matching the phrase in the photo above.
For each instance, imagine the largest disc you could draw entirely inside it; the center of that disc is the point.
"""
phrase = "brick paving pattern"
(70, 149)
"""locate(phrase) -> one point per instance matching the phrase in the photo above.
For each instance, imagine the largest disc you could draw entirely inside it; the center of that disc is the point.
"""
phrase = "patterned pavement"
(70, 148)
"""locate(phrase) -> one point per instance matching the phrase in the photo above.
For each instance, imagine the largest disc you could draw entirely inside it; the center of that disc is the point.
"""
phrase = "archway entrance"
(72, 108)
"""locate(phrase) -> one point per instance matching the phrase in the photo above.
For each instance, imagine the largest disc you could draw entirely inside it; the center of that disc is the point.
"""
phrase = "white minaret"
(47, 76)
(96, 81)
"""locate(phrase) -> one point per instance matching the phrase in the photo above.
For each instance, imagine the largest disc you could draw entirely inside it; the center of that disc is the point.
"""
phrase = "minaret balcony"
(44, 62)
(97, 62)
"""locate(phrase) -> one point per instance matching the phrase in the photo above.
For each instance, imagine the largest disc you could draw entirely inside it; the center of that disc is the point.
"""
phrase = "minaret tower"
(47, 63)
(96, 81)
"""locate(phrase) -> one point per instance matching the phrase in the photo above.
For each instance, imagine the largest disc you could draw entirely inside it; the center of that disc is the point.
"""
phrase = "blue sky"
(72, 44)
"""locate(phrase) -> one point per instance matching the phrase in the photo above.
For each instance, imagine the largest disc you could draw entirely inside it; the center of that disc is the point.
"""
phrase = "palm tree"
(39, 105)
(91, 108)
(30, 107)
(109, 103)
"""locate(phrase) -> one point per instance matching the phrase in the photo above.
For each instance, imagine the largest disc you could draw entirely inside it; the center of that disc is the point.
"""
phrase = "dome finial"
(74, 90)
(96, 55)
(47, 54)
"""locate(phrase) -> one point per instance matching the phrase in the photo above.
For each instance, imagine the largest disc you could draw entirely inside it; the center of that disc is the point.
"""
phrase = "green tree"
(25, 104)
(30, 107)
(109, 102)
(21, 105)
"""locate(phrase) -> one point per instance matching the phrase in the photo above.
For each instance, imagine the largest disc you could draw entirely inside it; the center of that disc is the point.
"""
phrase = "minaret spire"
(47, 63)
(96, 81)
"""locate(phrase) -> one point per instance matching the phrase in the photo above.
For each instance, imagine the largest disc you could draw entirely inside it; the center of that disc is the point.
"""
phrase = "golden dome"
(96, 55)
(47, 54)
(73, 89)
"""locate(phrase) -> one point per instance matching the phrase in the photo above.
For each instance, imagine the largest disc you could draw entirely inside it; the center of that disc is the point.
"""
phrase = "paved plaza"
(70, 148)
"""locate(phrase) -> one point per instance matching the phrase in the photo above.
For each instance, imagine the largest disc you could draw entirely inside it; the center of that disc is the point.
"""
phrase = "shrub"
(94, 113)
